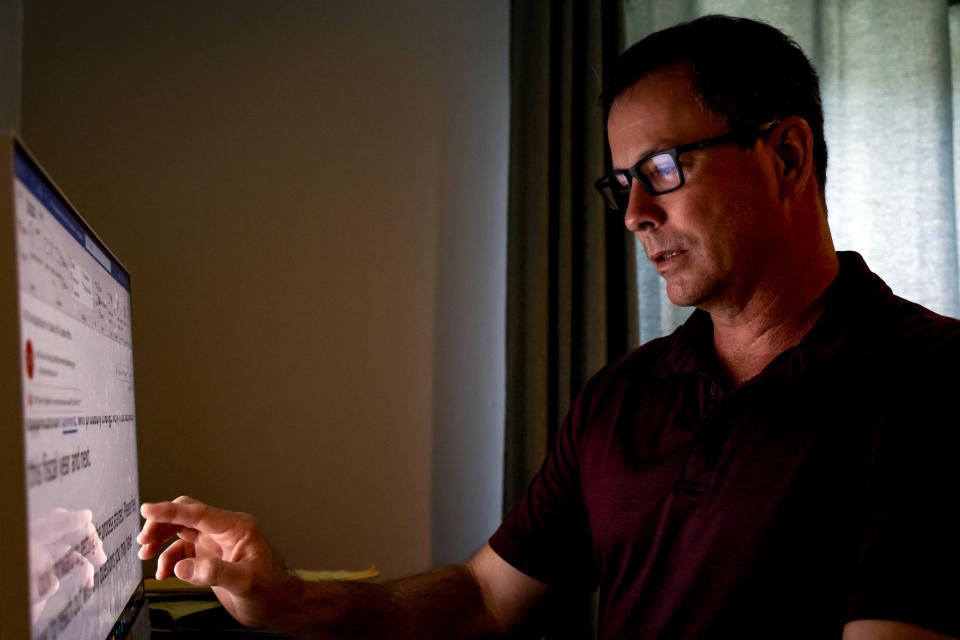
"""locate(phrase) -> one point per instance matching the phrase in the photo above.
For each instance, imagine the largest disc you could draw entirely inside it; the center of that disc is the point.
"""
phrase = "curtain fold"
(571, 301)
(570, 295)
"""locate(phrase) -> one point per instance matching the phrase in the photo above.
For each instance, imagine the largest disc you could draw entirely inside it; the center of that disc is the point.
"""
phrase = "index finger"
(195, 515)
(59, 523)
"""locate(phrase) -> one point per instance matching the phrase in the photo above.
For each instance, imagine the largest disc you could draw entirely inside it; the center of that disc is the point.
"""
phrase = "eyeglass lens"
(661, 172)
(658, 174)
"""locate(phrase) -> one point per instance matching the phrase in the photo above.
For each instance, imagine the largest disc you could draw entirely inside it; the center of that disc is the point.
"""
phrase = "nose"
(643, 210)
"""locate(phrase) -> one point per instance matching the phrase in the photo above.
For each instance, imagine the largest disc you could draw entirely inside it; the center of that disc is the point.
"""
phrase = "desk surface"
(212, 621)
(179, 610)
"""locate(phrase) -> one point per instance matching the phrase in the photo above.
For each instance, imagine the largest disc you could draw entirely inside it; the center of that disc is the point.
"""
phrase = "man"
(778, 467)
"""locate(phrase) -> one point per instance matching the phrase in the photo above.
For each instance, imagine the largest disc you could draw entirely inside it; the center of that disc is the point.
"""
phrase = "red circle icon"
(29, 359)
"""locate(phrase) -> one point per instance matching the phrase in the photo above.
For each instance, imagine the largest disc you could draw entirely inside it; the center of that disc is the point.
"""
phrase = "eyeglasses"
(660, 172)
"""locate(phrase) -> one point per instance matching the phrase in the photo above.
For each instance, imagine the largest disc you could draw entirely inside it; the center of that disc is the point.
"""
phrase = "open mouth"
(666, 255)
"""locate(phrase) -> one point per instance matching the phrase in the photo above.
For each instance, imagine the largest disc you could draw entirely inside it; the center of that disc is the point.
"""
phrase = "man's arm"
(888, 630)
(486, 598)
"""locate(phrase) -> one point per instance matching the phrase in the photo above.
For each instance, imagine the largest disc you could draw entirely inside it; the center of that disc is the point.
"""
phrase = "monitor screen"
(79, 435)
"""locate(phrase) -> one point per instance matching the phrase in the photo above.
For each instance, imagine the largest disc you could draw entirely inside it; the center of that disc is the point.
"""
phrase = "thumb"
(210, 572)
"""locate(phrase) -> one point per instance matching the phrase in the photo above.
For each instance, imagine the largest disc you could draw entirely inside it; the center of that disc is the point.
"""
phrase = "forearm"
(445, 603)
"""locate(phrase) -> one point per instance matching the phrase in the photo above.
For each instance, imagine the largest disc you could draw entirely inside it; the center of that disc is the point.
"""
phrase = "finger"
(45, 557)
(154, 531)
(76, 536)
(81, 567)
(213, 572)
(188, 534)
(43, 585)
(96, 554)
(87, 576)
(193, 514)
(92, 546)
(150, 548)
(180, 500)
(171, 556)
(58, 523)
(36, 608)
(91, 531)
(68, 564)
(42, 589)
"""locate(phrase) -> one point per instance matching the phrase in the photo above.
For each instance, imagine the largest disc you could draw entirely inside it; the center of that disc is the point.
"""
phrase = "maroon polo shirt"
(821, 491)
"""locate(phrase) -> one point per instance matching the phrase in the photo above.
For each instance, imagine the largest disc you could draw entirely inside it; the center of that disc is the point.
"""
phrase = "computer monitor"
(70, 500)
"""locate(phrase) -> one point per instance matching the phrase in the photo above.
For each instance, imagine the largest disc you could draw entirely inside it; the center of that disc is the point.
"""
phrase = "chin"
(682, 299)
(683, 294)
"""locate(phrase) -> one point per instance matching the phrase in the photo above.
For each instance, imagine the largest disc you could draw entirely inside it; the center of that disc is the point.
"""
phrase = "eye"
(662, 172)
(663, 166)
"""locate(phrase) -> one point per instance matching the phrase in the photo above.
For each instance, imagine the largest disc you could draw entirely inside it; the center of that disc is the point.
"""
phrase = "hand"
(223, 550)
(62, 543)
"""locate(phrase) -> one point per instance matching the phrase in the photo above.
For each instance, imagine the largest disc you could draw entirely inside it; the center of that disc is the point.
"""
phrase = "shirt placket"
(707, 443)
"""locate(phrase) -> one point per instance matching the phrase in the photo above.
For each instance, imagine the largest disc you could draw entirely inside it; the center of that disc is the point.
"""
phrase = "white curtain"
(889, 79)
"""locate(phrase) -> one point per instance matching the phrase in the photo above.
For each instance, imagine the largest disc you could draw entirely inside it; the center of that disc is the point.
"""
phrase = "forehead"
(658, 111)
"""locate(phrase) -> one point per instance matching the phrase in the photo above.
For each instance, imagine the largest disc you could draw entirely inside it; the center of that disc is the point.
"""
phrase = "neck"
(747, 339)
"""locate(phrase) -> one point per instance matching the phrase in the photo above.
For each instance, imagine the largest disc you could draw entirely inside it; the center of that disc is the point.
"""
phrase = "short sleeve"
(547, 534)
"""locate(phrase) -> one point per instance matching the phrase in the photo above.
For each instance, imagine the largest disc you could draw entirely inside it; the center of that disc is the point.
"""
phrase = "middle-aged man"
(782, 466)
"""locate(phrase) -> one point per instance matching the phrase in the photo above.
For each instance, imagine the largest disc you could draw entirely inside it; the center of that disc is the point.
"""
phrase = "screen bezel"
(14, 579)
(14, 583)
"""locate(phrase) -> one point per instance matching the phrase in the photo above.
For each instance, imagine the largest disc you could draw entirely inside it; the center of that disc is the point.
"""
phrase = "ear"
(792, 143)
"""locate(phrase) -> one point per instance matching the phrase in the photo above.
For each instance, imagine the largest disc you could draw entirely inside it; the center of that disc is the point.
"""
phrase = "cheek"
(742, 214)
(710, 226)
(723, 235)
(723, 246)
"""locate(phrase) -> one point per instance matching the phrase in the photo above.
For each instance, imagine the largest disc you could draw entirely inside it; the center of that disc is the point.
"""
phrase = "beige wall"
(11, 23)
(277, 178)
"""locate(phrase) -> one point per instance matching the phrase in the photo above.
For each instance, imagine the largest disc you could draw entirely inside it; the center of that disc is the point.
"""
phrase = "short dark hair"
(743, 70)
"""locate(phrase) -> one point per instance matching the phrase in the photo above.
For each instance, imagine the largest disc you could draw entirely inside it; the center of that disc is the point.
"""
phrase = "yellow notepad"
(179, 598)
(174, 585)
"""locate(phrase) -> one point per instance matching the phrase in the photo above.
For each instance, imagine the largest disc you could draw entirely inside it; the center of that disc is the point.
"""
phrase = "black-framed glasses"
(660, 172)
